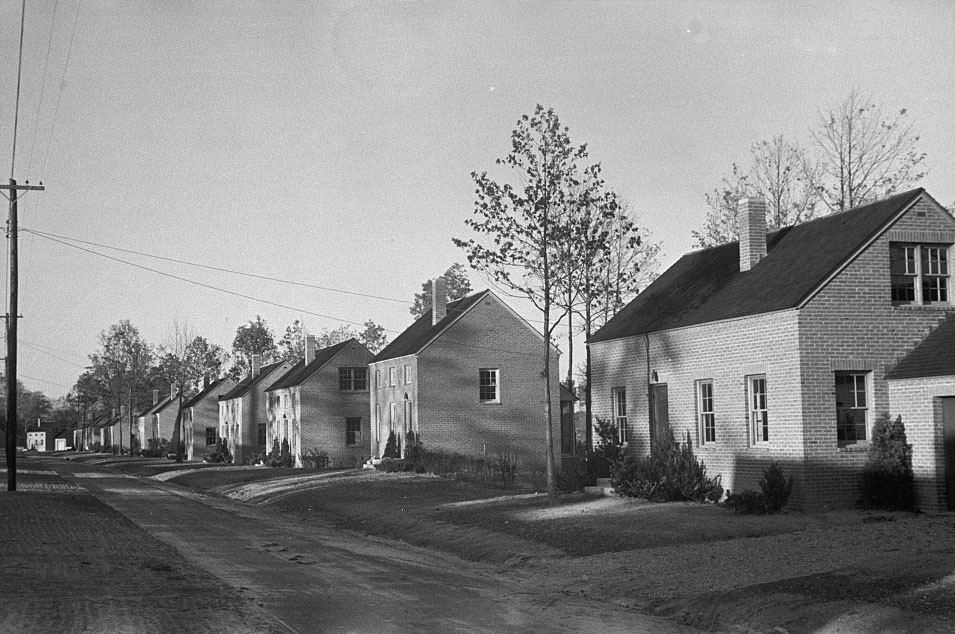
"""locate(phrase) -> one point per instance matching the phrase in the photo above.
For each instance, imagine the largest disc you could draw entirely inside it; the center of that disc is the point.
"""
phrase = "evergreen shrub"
(887, 478)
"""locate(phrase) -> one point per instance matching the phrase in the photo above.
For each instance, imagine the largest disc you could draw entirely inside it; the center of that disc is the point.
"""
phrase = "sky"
(332, 143)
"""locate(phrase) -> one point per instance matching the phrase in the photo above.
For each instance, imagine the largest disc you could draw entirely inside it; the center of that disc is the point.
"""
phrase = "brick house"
(467, 378)
(159, 421)
(200, 418)
(777, 348)
(321, 404)
(243, 415)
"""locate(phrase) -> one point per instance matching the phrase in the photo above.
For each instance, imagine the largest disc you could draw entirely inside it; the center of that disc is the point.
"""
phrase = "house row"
(787, 346)
(465, 378)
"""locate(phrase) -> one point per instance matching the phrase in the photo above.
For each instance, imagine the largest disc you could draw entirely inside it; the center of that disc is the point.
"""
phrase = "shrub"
(257, 458)
(775, 487)
(391, 447)
(454, 465)
(314, 459)
(286, 459)
(574, 474)
(670, 473)
(156, 448)
(274, 457)
(413, 450)
(506, 462)
(747, 502)
(221, 453)
(887, 479)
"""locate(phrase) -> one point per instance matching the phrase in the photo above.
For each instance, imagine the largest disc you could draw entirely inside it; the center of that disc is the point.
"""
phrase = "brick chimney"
(439, 300)
(172, 391)
(309, 349)
(751, 220)
(155, 397)
(256, 364)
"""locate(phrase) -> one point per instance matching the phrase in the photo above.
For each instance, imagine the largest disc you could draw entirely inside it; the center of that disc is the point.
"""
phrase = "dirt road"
(319, 580)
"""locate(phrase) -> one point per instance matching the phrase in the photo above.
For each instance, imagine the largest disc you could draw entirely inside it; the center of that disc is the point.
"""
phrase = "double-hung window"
(618, 397)
(352, 379)
(407, 374)
(705, 415)
(352, 431)
(212, 435)
(489, 386)
(757, 409)
(391, 376)
(919, 273)
(852, 407)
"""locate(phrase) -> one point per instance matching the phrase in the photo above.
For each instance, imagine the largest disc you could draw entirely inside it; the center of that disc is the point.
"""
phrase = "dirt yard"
(699, 565)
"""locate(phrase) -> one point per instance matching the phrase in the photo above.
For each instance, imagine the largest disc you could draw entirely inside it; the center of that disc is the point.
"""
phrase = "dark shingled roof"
(246, 384)
(160, 404)
(707, 285)
(300, 372)
(418, 334)
(935, 356)
(201, 395)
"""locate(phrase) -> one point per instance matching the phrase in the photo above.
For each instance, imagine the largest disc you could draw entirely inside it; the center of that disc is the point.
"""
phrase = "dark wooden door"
(660, 410)
(948, 419)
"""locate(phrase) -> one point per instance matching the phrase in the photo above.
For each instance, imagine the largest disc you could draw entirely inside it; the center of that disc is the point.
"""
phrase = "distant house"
(39, 438)
(159, 421)
(243, 413)
(100, 429)
(467, 378)
(787, 346)
(200, 418)
(321, 404)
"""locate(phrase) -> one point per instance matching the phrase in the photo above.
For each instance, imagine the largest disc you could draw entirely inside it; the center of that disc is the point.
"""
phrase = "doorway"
(948, 423)
(659, 414)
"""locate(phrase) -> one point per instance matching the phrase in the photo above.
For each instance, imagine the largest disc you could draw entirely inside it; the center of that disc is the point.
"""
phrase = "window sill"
(935, 306)
(489, 402)
(859, 447)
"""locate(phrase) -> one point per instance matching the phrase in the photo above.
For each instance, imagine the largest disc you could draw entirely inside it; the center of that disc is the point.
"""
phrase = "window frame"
(353, 379)
(758, 417)
(705, 412)
(351, 434)
(618, 408)
(924, 275)
(495, 384)
(215, 436)
(863, 377)
(391, 376)
(407, 372)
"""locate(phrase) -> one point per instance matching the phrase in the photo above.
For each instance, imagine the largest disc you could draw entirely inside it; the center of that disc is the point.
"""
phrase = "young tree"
(373, 337)
(292, 344)
(458, 285)
(254, 337)
(864, 153)
(522, 227)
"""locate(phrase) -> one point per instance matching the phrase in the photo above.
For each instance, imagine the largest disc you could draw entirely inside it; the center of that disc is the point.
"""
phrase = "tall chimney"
(256, 364)
(155, 397)
(439, 300)
(751, 220)
(172, 391)
(309, 349)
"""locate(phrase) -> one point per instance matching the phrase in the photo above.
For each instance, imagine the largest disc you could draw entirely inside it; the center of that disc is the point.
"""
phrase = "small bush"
(574, 474)
(221, 453)
(314, 459)
(286, 457)
(670, 473)
(156, 448)
(887, 478)
(507, 468)
(256, 458)
(747, 502)
(391, 447)
(775, 487)
(413, 450)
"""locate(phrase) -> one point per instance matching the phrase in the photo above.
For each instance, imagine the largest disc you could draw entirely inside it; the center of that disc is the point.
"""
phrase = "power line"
(50, 354)
(45, 234)
(202, 284)
(61, 350)
(16, 108)
(33, 378)
(46, 67)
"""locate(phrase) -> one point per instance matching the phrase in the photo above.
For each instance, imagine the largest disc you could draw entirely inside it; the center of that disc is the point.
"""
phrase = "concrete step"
(603, 482)
(599, 490)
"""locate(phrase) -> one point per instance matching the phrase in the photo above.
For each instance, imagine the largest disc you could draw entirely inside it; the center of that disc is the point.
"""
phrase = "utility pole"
(12, 316)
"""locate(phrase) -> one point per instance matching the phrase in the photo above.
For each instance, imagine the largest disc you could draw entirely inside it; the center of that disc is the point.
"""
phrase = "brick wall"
(725, 353)
(403, 394)
(851, 324)
(449, 414)
(917, 401)
(203, 414)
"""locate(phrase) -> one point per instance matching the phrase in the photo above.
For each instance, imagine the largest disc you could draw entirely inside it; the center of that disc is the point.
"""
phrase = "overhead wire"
(46, 67)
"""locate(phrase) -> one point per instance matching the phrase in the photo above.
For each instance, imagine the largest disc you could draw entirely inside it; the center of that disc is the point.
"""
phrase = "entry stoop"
(603, 488)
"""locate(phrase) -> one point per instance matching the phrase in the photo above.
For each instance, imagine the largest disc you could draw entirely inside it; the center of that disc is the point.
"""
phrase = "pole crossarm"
(18, 187)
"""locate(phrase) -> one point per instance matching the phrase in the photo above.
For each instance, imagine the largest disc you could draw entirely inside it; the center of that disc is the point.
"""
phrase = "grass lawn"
(208, 479)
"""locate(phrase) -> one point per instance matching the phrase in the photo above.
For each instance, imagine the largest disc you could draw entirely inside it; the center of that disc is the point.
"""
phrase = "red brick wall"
(203, 414)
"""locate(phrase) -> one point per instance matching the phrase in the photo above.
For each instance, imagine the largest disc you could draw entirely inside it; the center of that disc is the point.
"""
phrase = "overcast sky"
(331, 143)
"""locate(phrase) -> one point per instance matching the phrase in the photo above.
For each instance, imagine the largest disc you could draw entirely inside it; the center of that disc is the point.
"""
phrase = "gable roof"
(707, 285)
(932, 357)
(246, 384)
(419, 334)
(191, 402)
(300, 372)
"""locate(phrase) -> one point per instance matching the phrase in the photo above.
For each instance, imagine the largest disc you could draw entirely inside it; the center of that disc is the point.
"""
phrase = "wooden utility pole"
(12, 316)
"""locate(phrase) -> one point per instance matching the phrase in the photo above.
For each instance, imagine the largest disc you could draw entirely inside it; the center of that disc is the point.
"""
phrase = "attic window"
(919, 273)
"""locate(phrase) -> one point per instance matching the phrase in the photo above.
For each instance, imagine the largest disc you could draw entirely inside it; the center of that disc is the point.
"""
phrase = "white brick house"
(778, 347)
(467, 377)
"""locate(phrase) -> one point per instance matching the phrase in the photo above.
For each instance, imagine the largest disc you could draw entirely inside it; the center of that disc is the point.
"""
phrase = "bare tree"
(865, 153)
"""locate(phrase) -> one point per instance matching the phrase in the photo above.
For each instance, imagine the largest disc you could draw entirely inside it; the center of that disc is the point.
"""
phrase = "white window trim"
(620, 418)
(700, 413)
(497, 385)
(391, 376)
(754, 431)
(407, 371)
(920, 275)
(867, 374)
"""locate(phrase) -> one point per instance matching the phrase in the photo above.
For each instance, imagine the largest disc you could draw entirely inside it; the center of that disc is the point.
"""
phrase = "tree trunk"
(588, 413)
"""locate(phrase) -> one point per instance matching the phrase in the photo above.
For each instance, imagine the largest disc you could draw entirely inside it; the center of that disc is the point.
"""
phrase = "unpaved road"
(314, 579)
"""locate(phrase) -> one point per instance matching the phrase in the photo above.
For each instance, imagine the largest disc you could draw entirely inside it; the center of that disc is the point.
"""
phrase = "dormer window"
(919, 273)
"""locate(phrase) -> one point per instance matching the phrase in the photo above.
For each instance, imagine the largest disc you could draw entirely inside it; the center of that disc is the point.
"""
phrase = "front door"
(948, 421)
(660, 409)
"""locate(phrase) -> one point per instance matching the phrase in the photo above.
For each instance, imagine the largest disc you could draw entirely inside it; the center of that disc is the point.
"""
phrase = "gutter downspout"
(650, 422)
